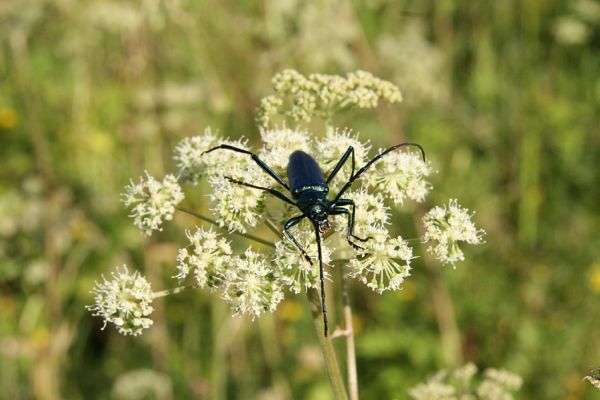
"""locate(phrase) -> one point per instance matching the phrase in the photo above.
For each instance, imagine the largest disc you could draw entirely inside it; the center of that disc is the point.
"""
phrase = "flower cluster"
(124, 301)
(320, 95)
(251, 286)
(459, 385)
(207, 258)
(152, 201)
(445, 227)
(253, 281)
(594, 378)
(383, 263)
(402, 175)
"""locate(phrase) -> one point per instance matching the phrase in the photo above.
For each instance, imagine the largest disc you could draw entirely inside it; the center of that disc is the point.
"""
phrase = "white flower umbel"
(445, 227)
(401, 175)
(295, 271)
(499, 385)
(188, 155)
(461, 384)
(433, 390)
(384, 263)
(280, 143)
(206, 257)
(152, 201)
(125, 301)
(250, 285)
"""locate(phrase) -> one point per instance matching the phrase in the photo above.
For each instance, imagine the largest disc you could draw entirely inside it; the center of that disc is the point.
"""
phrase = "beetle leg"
(341, 163)
(290, 223)
(349, 202)
(256, 159)
(350, 232)
(274, 192)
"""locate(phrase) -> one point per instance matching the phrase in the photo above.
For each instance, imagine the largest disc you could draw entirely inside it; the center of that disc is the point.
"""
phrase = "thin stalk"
(333, 369)
(168, 292)
(350, 348)
(215, 223)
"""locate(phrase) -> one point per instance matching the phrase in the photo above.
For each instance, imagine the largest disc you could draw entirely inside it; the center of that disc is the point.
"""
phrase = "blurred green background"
(503, 96)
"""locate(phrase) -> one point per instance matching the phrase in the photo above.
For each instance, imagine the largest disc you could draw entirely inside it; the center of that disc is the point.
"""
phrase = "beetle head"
(318, 215)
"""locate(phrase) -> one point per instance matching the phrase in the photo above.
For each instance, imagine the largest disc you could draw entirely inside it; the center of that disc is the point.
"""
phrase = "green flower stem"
(215, 223)
(168, 292)
(333, 369)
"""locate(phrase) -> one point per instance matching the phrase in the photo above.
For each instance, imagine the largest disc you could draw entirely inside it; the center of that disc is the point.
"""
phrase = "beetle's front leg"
(350, 231)
(351, 218)
(290, 223)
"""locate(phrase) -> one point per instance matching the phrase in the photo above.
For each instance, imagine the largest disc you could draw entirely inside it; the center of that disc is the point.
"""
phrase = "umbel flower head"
(384, 262)
(250, 286)
(152, 201)
(242, 197)
(125, 301)
(497, 384)
(207, 258)
(445, 227)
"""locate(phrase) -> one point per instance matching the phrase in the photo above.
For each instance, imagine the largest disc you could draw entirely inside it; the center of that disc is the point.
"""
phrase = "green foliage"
(503, 96)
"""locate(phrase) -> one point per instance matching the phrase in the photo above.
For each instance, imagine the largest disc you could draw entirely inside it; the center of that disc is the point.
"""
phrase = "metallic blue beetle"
(309, 190)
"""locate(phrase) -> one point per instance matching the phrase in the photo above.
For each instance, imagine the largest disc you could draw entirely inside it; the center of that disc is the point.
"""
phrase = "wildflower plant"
(255, 280)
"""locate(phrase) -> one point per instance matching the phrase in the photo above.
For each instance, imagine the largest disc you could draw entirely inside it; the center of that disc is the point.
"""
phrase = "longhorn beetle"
(309, 189)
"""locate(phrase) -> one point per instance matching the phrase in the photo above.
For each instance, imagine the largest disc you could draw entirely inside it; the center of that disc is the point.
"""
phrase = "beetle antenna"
(322, 278)
(373, 161)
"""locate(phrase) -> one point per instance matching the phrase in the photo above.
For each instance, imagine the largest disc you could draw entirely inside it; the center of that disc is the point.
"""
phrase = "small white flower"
(268, 106)
(207, 258)
(465, 373)
(294, 270)
(384, 263)
(250, 285)
(594, 378)
(507, 379)
(445, 227)
(188, 155)
(401, 175)
(124, 301)
(153, 201)
(433, 390)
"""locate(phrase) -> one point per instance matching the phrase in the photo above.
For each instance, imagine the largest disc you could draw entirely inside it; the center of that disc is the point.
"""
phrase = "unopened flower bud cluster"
(321, 95)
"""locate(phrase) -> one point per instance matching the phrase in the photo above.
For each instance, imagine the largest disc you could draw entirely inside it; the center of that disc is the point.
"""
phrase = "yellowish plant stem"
(350, 348)
(333, 369)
